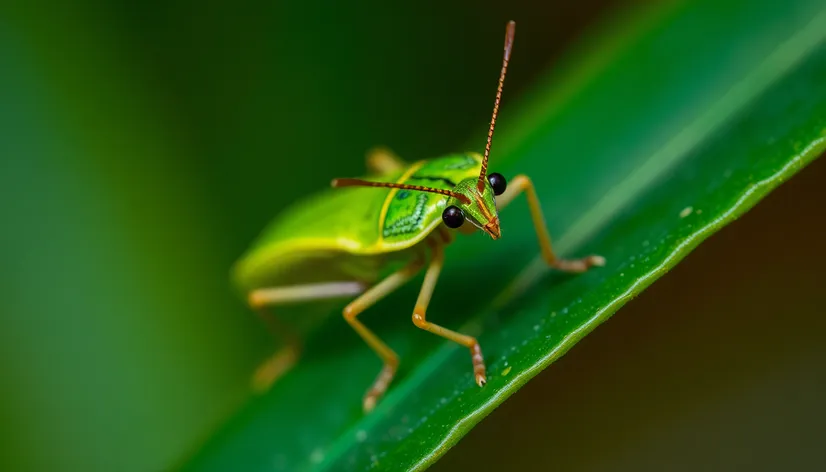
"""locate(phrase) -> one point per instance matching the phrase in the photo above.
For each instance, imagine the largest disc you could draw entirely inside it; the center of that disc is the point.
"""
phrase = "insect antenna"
(368, 183)
(509, 32)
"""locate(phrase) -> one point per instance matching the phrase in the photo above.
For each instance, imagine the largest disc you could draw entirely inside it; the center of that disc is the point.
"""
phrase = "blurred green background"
(144, 145)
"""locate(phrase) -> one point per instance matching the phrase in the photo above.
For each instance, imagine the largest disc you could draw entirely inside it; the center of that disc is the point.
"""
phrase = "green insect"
(367, 242)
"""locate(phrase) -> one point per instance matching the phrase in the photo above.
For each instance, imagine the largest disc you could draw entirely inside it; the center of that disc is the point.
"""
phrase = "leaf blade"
(698, 168)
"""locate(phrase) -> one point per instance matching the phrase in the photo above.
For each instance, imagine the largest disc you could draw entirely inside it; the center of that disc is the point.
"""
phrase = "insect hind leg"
(285, 358)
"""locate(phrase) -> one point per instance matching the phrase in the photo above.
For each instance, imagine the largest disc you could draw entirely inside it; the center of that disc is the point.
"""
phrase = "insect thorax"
(407, 213)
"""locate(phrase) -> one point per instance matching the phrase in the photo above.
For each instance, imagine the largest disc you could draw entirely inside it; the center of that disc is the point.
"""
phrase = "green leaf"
(669, 126)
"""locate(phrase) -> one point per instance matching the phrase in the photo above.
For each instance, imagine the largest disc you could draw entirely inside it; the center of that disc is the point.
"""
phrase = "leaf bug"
(334, 244)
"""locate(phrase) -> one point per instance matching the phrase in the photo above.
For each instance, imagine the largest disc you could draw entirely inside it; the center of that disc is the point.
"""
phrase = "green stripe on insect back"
(409, 212)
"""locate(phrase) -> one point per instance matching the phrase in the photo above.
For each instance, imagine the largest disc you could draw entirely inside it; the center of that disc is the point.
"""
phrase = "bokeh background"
(143, 146)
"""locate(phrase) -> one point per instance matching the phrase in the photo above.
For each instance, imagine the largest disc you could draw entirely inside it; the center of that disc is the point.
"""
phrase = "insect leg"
(382, 161)
(520, 184)
(279, 363)
(366, 300)
(420, 319)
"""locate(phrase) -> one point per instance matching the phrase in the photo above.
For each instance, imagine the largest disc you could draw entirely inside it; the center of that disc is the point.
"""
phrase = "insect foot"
(478, 365)
(576, 265)
(379, 386)
(595, 261)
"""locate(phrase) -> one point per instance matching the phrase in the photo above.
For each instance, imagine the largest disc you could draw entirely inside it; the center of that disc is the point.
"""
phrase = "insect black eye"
(453, 217)
(498, 182)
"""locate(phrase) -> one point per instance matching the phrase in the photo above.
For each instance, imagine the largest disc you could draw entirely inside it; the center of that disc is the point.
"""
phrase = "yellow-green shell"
(349, 233)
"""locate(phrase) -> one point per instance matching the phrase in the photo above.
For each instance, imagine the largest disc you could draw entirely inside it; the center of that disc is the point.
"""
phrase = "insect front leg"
(420, 311)
(365, 301)
(282, 360)
(520, 184)
(383, 161)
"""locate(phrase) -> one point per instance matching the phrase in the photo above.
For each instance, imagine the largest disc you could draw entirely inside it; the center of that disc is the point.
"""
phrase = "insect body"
(367, 240)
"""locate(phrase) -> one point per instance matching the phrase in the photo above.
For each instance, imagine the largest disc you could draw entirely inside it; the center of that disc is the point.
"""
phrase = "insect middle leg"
(260, 299)
(383, 161)
(520, 184)
(365, 301)
(420, 318)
